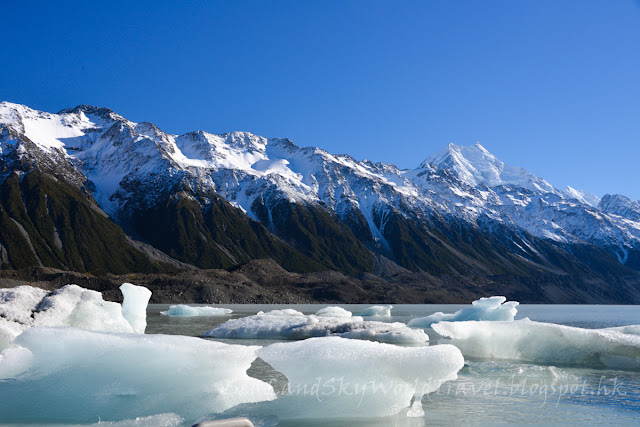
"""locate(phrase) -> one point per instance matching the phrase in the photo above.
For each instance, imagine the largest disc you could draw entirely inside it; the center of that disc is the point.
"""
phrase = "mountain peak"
(618, 204)
(583, 196)
(475, 165)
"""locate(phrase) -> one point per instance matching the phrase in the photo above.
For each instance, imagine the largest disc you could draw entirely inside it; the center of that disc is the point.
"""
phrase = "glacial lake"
(486, 392)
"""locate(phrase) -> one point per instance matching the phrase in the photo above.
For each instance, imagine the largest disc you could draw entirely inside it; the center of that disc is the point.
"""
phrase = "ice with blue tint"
(294, 325)
(376, 311)
(134, 306)
(189, 311)
(548, 343)
(629, 329)
(334, 312)
(24, 307)
(75, 375)
(332, 377)
(492, 308)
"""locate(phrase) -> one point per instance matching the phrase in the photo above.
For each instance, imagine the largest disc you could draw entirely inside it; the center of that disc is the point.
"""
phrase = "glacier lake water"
(486, 392)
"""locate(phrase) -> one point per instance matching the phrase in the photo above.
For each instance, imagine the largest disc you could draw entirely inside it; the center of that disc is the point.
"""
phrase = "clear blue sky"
(550, 85)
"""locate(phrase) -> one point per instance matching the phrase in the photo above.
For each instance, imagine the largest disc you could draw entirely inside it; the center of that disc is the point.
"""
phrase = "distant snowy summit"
(224, 199)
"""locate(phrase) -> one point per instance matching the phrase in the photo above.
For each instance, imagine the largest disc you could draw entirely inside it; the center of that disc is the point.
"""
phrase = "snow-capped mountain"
(619, 205)
(475, 166)
(421, 219)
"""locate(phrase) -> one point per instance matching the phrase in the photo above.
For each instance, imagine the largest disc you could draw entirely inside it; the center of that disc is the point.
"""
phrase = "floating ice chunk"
(492, 308)
(376, 311)
(134, 306)
(548, 343)
(17, 304)
(297, 326)
(352, 378)
(72, 305)
(8, 331)
(75, 375)
(629, 329)
(186, 310)
(333, 312)
(284, 312)
(16, 308)
(24, 306)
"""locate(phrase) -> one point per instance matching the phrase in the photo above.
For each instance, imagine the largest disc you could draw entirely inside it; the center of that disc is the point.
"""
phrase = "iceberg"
(75, 375)
(24, 307)
(333, 312)
(292, 325)
(545, 343)
(492, 308)
(353, 379)
(283, 312)
(134, 306)
(17, 304)
(16, 309)
(72, 305)
(629, 329)
(186, 310)
(376, 311)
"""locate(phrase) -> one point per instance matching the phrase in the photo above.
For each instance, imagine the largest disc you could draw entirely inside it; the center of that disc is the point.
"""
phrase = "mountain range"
(87, 190)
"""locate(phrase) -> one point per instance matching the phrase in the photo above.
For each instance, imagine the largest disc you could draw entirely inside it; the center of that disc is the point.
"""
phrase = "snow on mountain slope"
(126, 160)
(583, 196)
(617, 204)
(476, 166)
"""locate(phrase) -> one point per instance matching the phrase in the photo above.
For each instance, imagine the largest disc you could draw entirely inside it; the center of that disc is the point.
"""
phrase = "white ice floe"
(284, 312)
(74, 375)
(18, 303)
(292, 325)
(492, 308)
(186, 310)
(24, 307)
(352, 378)
(536, 342)
(333, 312)
(376, 311)
(629, 329)
(16, 308)
(134, 305)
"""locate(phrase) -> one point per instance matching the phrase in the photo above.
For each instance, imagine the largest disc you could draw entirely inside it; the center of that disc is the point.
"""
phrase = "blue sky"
(549, 85)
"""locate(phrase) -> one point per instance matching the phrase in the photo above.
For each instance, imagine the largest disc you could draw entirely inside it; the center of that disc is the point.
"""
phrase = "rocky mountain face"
(88, 190)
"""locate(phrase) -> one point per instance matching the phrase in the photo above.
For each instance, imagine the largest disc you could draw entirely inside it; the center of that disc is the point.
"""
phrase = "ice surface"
(629, 329)
(74, 375)
(492, 308)
(8, 331)
(24, 306)
(333, 312)
(17, 304)
(536, 342)
(376, 311)
(332, 377)
(134, 305)
(283, 312)
(72, 305)
(185, 310)
(293, 325)
(16, 308)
